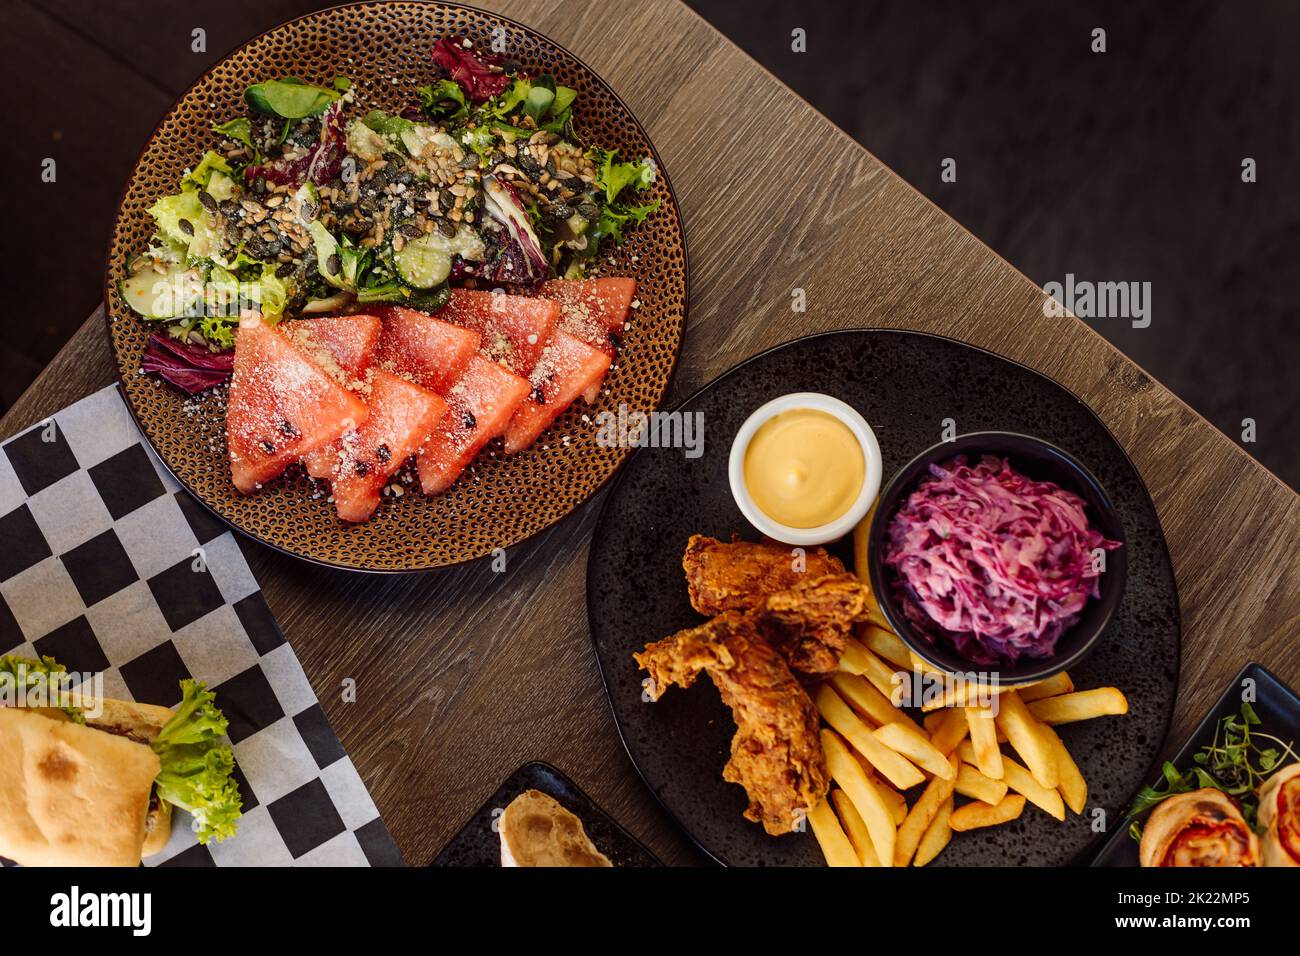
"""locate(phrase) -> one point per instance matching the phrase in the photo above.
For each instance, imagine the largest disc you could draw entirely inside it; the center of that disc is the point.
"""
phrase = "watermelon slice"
(424, 349)
(281, 406)
(595, 310)
(568, 368)
(481, 405)
(348, 341)
(514, 328)
(358, 465)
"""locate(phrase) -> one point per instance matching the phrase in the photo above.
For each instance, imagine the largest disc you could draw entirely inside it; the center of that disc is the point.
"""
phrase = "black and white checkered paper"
(107, 565)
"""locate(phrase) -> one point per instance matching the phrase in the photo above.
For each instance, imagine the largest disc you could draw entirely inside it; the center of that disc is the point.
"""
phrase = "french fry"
(856, 828)
(886, 762)
(919, 663)
(1072, 785)
(868, 665)
(830, 837)
(922, 814)
(853, 660)
(932, 721)
(885, 643)
(984, 742)
(1023, 734)
(1081, 705)
(863, 697)
(897, 802)
(972, 816)
(936, 836)
(971, 783)
(949, 731)
(915, 746)
(1056, 684)
(866, 798)
(861, 537)
(1022, 781)
(962, 693)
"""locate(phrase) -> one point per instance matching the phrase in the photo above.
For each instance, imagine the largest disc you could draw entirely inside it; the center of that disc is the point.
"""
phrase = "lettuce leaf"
(30, 672)
(444, 100)
(197, 766)
(614, 176)
(614, 217)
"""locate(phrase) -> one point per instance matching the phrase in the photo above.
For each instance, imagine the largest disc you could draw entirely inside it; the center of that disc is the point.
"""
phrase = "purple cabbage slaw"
(994, 562)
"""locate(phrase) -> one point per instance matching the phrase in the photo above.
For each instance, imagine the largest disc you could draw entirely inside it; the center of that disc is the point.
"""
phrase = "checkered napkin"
(107, 565)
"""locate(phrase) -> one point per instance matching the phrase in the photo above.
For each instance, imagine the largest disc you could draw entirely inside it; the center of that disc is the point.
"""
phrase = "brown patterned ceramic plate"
(499, 501)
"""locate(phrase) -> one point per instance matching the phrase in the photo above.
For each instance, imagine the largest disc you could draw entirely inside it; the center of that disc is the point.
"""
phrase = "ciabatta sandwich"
(96, 788)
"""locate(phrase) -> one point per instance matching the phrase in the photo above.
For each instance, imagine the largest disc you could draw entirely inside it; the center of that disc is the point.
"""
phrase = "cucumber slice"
(157, 297)
(424, 262)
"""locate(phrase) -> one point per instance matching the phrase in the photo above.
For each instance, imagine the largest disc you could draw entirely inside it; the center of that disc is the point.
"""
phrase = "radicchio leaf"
(472, 70)
(191, 368)
(521, 260)
(319, 165)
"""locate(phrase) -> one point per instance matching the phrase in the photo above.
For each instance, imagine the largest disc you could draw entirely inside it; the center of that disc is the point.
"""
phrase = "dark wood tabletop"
(465, 674)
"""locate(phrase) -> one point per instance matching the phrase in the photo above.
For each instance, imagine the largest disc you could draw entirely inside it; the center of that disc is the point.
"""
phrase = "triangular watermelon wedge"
(358, 465)
(481, 405)
(281, 406)
(514, 328)
(567, 368)
(425, 349)
(349, 341)
(594, 310)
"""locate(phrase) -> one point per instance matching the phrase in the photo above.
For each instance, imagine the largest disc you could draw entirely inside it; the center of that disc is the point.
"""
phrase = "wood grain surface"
(466, 674)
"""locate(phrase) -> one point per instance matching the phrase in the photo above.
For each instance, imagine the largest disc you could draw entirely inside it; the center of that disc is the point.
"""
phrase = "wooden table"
(463, 675)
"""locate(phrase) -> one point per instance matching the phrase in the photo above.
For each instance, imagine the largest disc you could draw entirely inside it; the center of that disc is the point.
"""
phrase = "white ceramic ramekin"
(870, 480)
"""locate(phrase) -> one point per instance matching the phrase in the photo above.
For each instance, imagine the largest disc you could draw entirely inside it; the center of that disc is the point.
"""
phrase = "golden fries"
(876, 815)
(1081, 705)
(856, 828)
(922, 815)
(888, 763)
(949, 730)
(972, 816)
(875, 750)
(830, 837)
(936, 836)
(1023, 734)
(971, 783)
(863, 697)
(1022, 781)
(914, 745)
(1056, 684)
(984, 742)
(1072, 785)
(886, 644)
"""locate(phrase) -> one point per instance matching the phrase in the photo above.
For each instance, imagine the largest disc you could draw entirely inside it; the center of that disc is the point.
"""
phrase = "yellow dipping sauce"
(804, 468)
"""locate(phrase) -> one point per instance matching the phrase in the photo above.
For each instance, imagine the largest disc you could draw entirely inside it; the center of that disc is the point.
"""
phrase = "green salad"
(313, 203)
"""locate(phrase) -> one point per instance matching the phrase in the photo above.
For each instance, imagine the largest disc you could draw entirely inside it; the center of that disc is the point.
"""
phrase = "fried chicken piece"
(776, 754)
(810, 623)
(738, 576)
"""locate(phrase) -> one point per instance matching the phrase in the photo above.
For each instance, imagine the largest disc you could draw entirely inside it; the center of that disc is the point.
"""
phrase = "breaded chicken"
(776, 754)
(740, 575)
(810, 623)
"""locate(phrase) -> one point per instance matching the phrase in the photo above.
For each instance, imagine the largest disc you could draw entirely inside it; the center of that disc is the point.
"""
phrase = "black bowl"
(1043, 462)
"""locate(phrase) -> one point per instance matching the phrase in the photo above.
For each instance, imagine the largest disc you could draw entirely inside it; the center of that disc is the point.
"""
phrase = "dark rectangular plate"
(1278, 707)
(477, 843)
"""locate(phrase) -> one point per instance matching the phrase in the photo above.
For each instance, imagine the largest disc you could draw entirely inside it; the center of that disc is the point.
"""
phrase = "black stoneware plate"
(477, 843)
(1278, 709)
(905, 384)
